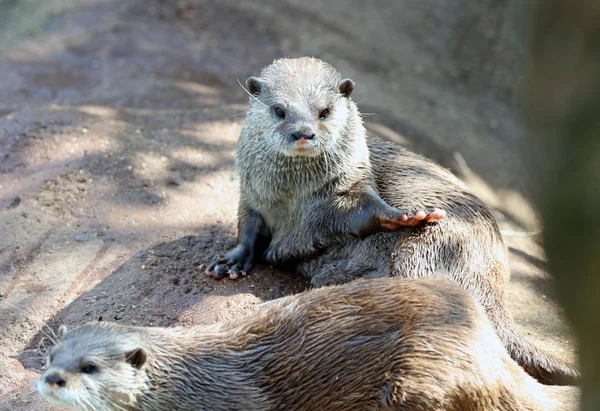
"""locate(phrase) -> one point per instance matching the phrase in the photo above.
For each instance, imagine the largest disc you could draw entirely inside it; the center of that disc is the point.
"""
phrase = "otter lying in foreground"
(299, 196)
(384, 344)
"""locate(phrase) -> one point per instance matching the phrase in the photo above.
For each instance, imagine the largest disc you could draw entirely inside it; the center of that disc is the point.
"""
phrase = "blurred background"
(118, 123)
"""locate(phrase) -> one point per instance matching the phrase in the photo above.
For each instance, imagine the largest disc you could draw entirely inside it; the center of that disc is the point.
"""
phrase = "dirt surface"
(118, 123)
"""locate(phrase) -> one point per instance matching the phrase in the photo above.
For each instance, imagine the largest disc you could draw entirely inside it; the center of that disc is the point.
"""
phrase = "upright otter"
(319, 183)
(286, 201)
(385, 344)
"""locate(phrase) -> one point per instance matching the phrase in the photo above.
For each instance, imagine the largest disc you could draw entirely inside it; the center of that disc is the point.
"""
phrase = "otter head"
(299, 106)
(97, 366)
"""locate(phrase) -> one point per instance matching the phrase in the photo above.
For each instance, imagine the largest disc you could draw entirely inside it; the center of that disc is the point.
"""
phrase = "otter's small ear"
(254, 85)
(62, 331)
(346, 87)
(137, 357)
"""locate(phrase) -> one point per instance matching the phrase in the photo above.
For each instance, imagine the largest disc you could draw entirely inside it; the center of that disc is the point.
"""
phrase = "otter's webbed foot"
(376, 215)
(235, 263)
(411, 219)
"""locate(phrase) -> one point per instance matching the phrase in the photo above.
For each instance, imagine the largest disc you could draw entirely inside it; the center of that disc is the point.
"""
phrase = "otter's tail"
(546, 368)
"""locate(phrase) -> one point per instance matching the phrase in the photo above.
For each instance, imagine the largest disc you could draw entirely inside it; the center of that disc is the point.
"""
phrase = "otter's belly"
(282, 219)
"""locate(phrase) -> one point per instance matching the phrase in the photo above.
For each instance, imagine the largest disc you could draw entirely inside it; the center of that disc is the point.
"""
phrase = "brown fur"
(385, 344)
(286, 201)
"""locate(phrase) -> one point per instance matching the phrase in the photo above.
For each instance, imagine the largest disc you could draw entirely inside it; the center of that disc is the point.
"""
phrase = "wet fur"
(385, 344)
(289, 200)
(317, 184)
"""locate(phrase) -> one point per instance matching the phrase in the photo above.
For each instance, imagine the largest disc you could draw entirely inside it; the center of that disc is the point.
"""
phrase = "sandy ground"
(118, 123)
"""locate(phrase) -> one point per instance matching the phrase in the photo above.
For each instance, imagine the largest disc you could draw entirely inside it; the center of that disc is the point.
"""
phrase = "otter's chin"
(302, 150)
(54, 398)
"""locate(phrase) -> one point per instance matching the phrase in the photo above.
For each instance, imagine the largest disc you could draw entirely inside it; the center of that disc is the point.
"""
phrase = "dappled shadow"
(531, 259)
(123, 165)
(540, 285)
(124, 92)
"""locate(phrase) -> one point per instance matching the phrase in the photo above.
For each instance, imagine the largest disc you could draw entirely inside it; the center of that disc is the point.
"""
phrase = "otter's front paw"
(411, 219)
(235, 263)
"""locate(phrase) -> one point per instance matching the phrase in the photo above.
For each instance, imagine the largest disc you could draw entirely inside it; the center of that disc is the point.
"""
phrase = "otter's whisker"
(46, 335)
(237, 114)
(52, 331)
(250, 94)
(41, 347)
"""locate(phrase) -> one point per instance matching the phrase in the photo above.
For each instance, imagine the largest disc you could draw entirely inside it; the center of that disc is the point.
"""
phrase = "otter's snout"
(300, 135)
(55, 379)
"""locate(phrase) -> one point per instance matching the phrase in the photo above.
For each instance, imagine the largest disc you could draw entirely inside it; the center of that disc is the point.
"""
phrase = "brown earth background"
(118, 124)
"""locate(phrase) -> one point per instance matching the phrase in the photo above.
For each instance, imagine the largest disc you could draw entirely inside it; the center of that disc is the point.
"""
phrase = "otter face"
(302, 107)
(90, 369)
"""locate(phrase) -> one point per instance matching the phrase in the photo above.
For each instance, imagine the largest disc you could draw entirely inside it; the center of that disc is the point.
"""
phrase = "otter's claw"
(235, 263)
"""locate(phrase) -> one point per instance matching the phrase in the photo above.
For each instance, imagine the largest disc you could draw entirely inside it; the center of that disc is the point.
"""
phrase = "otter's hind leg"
(343, 271)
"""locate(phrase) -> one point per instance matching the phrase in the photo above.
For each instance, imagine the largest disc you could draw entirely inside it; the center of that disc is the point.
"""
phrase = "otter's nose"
(299, 135)
(55, 379)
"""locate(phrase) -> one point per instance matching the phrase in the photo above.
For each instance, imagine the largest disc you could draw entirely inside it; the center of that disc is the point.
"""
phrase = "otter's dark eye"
(279, 112)
(324, 114)
(89, 368)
